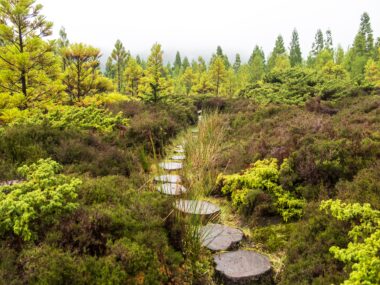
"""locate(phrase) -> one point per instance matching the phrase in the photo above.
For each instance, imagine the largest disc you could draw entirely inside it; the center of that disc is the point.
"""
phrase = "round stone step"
(220, 237)
(243, 267)
(168, 178)
(178, 157)
(195, 207)
(179, 150)
(167, 165)
(171, 189)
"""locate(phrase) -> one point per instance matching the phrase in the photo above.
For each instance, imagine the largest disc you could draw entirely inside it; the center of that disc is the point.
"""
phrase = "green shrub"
(40, 200)
(262, 176)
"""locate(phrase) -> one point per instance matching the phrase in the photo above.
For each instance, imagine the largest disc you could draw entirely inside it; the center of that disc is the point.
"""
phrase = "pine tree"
(362, 50)
(279, 49)
(256, 65)
(133, 75)
(329, 41)
(187, 79)
(62, 43)
(177, 64)
(217, 73)
(295, 55)
(339, 55)
(27, 63)
(185, 63)
(318, 44)
(366, 31)
(110, 71)
(237, 63)
(155, 81)
(120, 56)
(219, 52)
(82, 76)
(202, 67)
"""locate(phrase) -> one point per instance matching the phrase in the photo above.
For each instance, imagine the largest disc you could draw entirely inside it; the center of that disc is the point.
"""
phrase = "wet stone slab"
(195, 207)
(167, 165)
(168, 178)
(178, 157)
(243, 267)
(220, 237)
(171, 189)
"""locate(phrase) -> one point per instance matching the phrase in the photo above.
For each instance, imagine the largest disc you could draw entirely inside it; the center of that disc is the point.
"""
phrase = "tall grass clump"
(203, 149)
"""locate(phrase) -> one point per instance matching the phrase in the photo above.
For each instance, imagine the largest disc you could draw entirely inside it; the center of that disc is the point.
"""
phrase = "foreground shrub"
(262, 176)
(39, 200)
(362, 254)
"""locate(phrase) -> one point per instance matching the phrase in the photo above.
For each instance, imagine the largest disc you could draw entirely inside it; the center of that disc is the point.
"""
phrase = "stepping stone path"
(203, 209)
(168, 178)
(171, 165)
(220, 237)
(178, 157)
(232, 267)
(243, 267)
(179, 150)
(171, 189)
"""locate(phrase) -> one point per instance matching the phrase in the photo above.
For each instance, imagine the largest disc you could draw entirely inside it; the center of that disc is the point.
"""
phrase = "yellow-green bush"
(264, 176)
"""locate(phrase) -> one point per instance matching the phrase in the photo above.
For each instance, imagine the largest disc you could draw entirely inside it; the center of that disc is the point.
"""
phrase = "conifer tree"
(237, 63)
(185, 63)
(256, 65)
(177, 64)
(133, 75)
(155, 81)
(329, 41)
(295, 55)
(361, 51)
(62, 42)
(279, 49)
(120, 56)
(218, 73)
(27, 63)
(82, 76)
(339, 55)
(318, 44)
(187, 79)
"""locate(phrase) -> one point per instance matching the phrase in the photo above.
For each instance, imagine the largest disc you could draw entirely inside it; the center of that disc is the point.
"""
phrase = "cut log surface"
(196, 207)
(243, 267)
(179, 150)
(220, 237)
(167, 165)
(178, 157)
(171, 189)
(167, 178)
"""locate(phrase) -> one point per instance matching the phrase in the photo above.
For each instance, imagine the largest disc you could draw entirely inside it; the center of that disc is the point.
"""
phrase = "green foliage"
(62, 117)
(297, 85)
(27, 63)
(361, 255)
(40, 200)
(263, 176)
(82, 76)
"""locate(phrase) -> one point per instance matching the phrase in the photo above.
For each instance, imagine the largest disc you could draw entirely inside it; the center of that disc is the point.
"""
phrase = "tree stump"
(243, 267)
(171, 189)
(178, 157)
(218, 237)
(168, 178)
(171, 166)
(203, 209)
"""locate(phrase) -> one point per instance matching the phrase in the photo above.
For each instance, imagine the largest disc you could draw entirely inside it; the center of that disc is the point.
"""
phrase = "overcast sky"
(196, 27)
